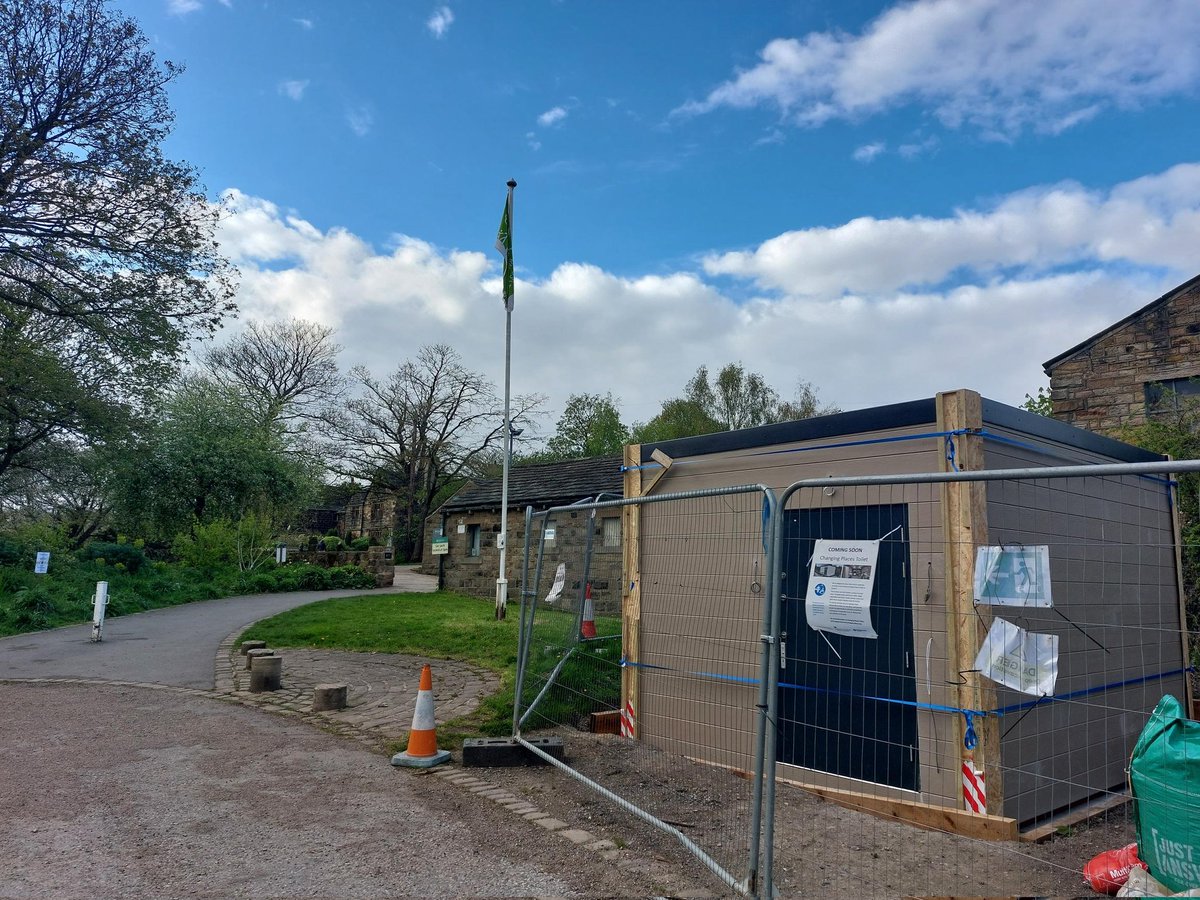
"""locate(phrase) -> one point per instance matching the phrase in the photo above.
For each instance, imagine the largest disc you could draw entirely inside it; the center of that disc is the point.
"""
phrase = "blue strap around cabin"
(969, 736)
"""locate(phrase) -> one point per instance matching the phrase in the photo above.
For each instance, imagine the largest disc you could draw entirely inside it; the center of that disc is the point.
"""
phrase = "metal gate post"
(756, 824)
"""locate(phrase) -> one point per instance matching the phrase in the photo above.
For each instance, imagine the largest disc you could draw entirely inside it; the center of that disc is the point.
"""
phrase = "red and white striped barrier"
(974, 790)
(627, 720)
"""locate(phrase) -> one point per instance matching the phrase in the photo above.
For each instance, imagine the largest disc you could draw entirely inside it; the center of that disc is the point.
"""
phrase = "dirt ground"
(821, 849)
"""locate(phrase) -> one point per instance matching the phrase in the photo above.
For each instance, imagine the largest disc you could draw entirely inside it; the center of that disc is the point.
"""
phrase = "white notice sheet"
(840, 580)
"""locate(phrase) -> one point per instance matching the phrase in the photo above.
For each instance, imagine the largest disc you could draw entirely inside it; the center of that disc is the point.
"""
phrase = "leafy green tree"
(589, 426)
(1040, 403)
(678, 418)
(207, 457)
(55, 385)
(96, 225)
(1175, 431)
(734, 399)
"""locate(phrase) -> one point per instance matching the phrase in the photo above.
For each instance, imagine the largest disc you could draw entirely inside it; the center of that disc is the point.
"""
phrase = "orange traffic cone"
(588, 628)
(422, 749)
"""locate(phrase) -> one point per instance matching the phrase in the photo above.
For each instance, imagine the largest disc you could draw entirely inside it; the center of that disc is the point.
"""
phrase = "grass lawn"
(454, 626)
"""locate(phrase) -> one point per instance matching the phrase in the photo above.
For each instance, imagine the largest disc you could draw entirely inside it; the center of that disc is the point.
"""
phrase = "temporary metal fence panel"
(680, 688)
(975, 652)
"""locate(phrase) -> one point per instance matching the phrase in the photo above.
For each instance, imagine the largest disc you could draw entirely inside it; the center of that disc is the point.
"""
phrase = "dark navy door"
(834, 691)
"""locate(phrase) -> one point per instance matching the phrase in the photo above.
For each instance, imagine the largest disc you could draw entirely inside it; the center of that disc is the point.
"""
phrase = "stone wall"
(1103, 387)
(476, 575)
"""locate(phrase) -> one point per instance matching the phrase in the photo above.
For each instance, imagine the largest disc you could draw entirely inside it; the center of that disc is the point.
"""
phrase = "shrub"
(360, 543)
(208, 546)
(334, 543)
(350, 577)
(130, 557)
(263, 583)
(313, 578)
(10, 552)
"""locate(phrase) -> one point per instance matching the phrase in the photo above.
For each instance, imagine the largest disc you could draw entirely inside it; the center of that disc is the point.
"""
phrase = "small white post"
(99, 604)
(281, 553)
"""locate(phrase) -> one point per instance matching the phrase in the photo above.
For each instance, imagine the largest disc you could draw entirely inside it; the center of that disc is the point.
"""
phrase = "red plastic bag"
(1108, 871)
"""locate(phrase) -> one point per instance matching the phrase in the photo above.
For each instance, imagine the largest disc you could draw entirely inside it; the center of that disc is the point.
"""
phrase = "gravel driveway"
(132, 792)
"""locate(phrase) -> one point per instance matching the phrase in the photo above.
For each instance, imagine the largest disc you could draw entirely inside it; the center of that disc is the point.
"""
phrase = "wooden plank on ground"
(922, 815)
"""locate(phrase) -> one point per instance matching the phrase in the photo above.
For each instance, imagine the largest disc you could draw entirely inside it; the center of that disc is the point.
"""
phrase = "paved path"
(175, 645)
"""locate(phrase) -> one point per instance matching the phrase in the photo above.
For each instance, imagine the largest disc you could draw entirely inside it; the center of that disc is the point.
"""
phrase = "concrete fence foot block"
(266, 674)
(329, 697)
(497, 752)
(247, 646)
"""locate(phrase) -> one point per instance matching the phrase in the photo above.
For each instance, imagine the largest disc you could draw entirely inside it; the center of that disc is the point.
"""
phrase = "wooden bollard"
(266, 674)
(247, 646)
(329, 696)
(255, 654)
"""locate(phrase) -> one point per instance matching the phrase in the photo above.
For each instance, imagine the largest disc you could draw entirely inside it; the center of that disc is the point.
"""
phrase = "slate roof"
(1137, 314)
(544, 484)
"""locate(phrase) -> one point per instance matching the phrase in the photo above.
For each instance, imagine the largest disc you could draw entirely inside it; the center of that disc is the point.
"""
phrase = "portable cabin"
(882, 721)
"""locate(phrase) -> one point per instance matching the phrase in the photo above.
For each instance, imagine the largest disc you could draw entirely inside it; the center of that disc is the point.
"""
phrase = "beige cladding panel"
(1112, 571)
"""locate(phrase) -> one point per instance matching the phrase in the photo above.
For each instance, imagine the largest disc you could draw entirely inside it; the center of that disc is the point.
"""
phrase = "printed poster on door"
(840, 579)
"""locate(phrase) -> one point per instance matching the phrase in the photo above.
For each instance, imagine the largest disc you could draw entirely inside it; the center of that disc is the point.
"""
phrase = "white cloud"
(1000, 66)
(441, 20)
(867, 311)
(1153, 222)
(867, 152)
(360, 119)
(293, 90)
(306, 24)
(183, 7)
(531, 138)
(552, 116)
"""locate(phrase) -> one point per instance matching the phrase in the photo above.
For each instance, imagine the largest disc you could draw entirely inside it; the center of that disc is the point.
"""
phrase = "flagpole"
(502, 581)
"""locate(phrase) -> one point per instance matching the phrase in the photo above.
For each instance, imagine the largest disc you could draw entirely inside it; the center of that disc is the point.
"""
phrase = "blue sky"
(886, 200)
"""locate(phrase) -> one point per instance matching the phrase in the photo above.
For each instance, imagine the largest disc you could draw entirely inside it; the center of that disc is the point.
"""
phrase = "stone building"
(369, 512)
(1131, 370)
(471, 521)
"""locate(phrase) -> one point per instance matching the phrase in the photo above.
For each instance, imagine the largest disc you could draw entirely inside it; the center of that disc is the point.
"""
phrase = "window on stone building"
(1171, 395)
(472, 540)
(610, 528)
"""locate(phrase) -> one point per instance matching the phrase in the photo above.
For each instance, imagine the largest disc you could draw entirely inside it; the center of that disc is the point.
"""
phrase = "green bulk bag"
(1164, 774)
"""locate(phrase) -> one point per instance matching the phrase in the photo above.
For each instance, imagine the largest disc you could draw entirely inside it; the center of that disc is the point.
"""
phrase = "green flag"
(504, 245)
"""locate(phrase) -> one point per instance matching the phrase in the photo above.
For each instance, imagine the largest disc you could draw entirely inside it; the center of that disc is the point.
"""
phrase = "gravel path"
(132, 792)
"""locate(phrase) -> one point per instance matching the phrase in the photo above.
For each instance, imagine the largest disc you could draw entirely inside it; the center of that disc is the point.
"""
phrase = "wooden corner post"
(631, 589)
(964, 517)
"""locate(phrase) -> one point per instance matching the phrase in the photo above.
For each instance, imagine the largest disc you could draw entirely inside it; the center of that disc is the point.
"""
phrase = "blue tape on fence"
(969, 736)
(1083, 692)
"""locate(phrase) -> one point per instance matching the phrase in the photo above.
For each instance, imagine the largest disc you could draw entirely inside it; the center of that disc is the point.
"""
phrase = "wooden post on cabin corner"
(631, 583)
(964, 519)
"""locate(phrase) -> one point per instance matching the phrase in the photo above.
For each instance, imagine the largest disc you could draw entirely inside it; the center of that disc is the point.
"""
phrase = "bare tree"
(416, 431)
(287, 370)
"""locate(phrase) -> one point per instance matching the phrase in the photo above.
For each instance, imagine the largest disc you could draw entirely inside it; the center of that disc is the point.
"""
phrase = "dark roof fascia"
(1083, 345)
(1003, 416)
(897, 415)
(878, 418)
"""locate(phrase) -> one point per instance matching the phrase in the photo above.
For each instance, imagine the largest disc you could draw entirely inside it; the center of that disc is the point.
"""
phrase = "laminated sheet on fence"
(1017, 636)
(681, 697)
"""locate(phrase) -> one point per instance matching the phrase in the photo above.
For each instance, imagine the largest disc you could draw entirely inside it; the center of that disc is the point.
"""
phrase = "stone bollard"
(255, 653)
(329, 697)
(247, 646)
(266, 674)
